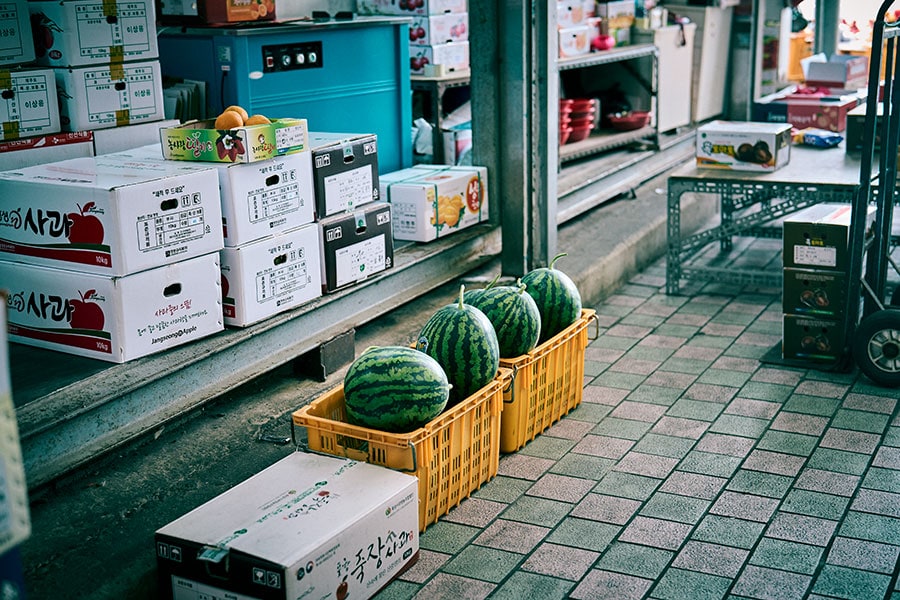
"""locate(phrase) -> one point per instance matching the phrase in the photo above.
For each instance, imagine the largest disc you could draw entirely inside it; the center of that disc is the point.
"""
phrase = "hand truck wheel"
(876, 347)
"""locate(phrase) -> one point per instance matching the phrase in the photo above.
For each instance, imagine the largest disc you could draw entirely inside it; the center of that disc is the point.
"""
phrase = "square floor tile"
(840, 461)
(549, 447)
(822, 389)
(637, 366)
(801, 528)
(598, 394)
(887, 480)
(632, 559)
(770, 392)
(728, 531)
(731, 445)
(679, 427)
(572, 428)
(523, 466)
(744, 506)
(830, 482)
(738, 425)
(627, 485)
(448, 587)
(589, 413)
(447, 537)
(771, 584)
(675, 508)
(799, 423)
(648, 465)
(605, 585)
(425, 566)
(713, 559)
(707, 392)
(680, 381)
(850, 583)
(870, 403)
(625, 381)
(561, 487)
(502, 489)
(706, 463)
(604, 446)
(695, 409)
(522, 584)
(638, 411)
(859, 420)
(812, 405)
(788, 443)
(693, 484)
(747, 407)
(583, 466)
(760, 484)
(852, 441)
(773, 462)
(485, 564)
(658, 533)
(560, 561)
(815, 504)
(476, 512)
(622, 428)
(655, 394)
(664, 445)
(726, 378)
(609, 509)
(537, 511)
(887, 458)
(787, 556)
(511, 536)
(678, 584)
(876, 528)
(877, 502)
(862, 554)
(584, 533)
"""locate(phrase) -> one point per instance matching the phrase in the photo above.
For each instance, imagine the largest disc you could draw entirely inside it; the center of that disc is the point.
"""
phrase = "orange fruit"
(239, 110)
(229, 120)
(257, 120)
(263, 10)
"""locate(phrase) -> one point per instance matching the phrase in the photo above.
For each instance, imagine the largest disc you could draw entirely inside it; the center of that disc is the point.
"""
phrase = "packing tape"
(123, 117)
(110, 9)
(10, 130)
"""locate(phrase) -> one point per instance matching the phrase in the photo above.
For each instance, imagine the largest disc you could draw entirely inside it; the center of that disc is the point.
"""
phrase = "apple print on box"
(87, 314)
(85, 228)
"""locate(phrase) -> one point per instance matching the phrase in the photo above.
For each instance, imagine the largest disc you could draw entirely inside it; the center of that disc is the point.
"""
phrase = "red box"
(826, 112)
(841, 70)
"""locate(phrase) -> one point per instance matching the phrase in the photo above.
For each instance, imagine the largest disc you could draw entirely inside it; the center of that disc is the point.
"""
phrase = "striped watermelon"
(514, 314)
(395, 389)
(463, 341)
(557, 298)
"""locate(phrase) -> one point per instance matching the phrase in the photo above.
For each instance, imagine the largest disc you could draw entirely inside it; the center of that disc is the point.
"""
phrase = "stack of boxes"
(577, 26)
(816, 265)
(438, 33)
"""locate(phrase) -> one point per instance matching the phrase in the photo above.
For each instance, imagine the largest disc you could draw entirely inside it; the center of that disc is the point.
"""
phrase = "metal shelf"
(603, 140)
(605, 57)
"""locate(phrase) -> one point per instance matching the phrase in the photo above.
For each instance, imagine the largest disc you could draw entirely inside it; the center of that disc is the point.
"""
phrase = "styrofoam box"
(345, 168)
(453, 57)
(439, 29)
(111, 214)
(432, 201)
(309, 526)
(270, 276)
(35, 110)
(93, 32)
(15, 517)
(575, 41)
(39, 150)
(128, 137)
(115, 319)
(570, 13)
(428, 7)
(16, 44)
(110, 95)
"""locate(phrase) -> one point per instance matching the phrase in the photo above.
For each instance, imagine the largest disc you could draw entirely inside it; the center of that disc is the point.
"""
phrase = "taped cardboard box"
(346, 170)
(17, 47)
(356, 246)
(55, 147)
(743, 145)
(35, 109)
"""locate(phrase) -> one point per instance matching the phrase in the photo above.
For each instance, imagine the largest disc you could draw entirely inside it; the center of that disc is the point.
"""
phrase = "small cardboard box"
(439, 29)
(575, 41)
(269, 276)
(109, 95)
(570, 13)
(356, 245)
(814, 292)
(453, 57)
(32, 108)
(15, 524)
(856, 125)
(309, 526)
(825, 112)
(17, 47)
(346, 171)
(427, 7)
(128, 137)
(432, 201)
(617, 14)
(115, 319)
(818, 237)
(111, 214)
(201, 141)
(236, 11)
(840, 71)
(811, 338)
(743, 146)
(78, 33)
(27, 152)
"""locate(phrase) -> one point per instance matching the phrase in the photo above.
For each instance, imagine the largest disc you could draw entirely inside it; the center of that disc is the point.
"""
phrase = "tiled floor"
(691, 470)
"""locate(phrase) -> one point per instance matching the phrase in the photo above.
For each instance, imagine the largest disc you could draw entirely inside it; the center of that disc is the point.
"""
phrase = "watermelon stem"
(494, 280)
(521, 286)
(462, 291)
(557, 257)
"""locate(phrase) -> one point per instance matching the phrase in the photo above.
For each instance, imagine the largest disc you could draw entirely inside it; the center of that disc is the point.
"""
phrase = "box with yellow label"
(432, 201)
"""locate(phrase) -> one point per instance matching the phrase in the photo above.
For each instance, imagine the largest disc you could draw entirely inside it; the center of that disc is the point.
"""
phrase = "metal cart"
(873, 338)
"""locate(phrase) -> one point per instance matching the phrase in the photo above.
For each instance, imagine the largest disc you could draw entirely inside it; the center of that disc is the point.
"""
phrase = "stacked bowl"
(565, 120)
(581, 118)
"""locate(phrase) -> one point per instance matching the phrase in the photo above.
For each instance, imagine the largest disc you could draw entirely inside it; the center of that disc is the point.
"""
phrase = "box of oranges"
(234, 137)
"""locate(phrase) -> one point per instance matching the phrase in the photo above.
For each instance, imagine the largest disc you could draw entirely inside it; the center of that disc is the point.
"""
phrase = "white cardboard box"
(428, 7)
(39, 150)
(576, 40)
(453, 57)
(16, 44)
(439, 29)
(93, 32)
(270, 276)
(345, 167)
(115, 319)
(15, 517)
(128, 137)
(34, 109)
(110, 214)
(432, 201)
(743, 145)
(111, 95)
(309, 526)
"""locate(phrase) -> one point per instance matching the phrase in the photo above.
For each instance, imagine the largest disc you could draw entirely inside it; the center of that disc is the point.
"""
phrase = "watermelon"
(463, 341)
(514, 314)
(557, 298)
(395, 389)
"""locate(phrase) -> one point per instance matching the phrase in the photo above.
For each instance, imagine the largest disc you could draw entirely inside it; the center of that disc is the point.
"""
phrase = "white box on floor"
(111, 214)
(35, 109)
(270, 276)
(309, 526)
(115, 319)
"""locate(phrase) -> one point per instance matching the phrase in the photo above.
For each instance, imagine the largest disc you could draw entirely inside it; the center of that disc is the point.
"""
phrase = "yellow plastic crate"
(452, 455)
(547, 383)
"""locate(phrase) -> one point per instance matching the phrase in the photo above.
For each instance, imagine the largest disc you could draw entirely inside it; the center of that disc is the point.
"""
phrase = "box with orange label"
(432, 201)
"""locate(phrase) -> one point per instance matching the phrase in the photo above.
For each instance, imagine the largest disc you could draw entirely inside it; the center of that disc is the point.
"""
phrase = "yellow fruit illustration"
(449, 210)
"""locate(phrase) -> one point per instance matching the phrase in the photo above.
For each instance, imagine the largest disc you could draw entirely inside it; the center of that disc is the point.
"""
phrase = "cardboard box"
(427, 7)
(811, 338)
(826, 112)
(78, 33)
(570, 13)
(840, 70)
(432, 201)
(457, 144)
(17, 47)
(618, 14)
(743, 146)
(575, 41)
(452, 57)
(439, 29)
(356, 245)
(111, 214)
(27, 152)
(346, 171)
(201, 141)
(115, 319)
(235, 11)
(309, 526)
(818, 237)
(813, 292)
(270, 276)
(129, 137)
(35, 110)
(109, 95)
(15, 516)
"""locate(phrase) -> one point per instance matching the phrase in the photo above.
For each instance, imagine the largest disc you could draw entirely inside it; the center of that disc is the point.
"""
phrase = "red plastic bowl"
(630, 121)
(583, 114)
(565, 103)
(582, 123)
(564, 134)
(564, 122)
(583, 104)
(579, 134)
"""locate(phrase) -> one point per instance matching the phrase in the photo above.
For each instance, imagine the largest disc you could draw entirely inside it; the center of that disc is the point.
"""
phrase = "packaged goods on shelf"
(112, 214)
(93, 32)
(345, 168)
(18, 46)
(201, 141)
(109, 95)
(451, 57)
(271, 275)
(432, 201)
(339, 527)
(439, 29)
(36, 110)
(576, 40)
(115, 319)
(407, 9)
(356, 245)
(38, 150)
(743, 145)
(574, 12)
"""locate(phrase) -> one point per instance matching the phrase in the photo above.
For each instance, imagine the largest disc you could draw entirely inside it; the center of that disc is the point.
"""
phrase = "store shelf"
(434, 89)
(602, 140)
(605, 57)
